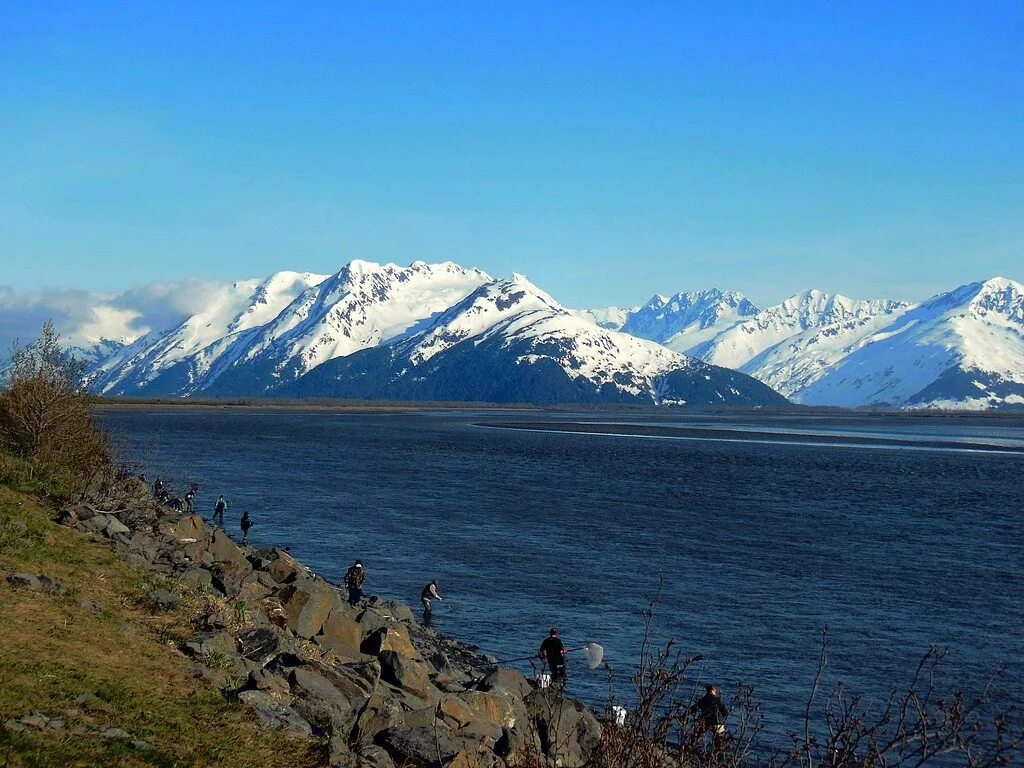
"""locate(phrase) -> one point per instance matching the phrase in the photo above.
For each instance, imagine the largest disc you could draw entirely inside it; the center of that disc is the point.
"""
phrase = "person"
(190, 499)
(177, 504)
(246, 525)
(711, 714)
(429, 593)
(158, 486)
(354, 578)
(553, 652)
(219, 509)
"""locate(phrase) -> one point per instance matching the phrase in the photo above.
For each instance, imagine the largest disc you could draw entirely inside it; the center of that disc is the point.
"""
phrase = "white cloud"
(84, 318)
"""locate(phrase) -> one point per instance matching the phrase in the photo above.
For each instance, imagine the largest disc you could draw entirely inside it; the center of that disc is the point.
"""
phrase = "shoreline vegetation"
(136, 634)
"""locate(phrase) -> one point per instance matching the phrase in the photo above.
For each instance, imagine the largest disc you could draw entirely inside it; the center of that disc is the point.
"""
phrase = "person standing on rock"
(190, 499)
(158, 486)
(246, 525)
(429, 593)
(219, 509)
(354, 578)
(552, 650)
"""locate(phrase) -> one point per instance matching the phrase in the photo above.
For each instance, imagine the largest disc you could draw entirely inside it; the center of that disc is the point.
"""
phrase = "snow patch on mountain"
(686, 322)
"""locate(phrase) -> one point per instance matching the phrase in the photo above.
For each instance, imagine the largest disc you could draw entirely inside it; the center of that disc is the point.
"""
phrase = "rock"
(307, 606)
(474, 758)
(375, 757)
(258, 644)
(164, 600)
(25, 580)
(393, 638)
(270, 683)
(251, 592)
(282, 567)
(418, 745)
(500, 709)
(197, 578)
(456, 711)
(51, 585)
(340, 634)
(275, 714)
(230, 575)
(568, 732)
(378, 714)
(332, 696)
(89, 605)
(116, 527)
(97, 523)
(399, 611)
(506, 681)
(223, 550)
(408, 674)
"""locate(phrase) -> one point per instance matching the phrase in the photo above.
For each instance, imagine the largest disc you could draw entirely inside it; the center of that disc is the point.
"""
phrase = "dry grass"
(112, 668)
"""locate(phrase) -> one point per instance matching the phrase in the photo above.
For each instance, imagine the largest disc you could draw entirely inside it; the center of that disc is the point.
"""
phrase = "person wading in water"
(246, 525)
(354, 578)
(219, 509)
(429, 593)
(711, 714)
(553, 652)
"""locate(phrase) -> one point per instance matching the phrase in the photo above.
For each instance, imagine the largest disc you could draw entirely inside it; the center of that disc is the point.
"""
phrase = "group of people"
(162, 492)
(709, 711)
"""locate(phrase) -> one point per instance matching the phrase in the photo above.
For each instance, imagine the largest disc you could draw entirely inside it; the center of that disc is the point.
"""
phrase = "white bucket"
(543, 680)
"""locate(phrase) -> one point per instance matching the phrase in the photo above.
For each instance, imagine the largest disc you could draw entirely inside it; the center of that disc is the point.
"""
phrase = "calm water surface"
(761, 544)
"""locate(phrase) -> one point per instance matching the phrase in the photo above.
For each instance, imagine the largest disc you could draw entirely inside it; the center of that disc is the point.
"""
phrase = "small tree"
(44, 417)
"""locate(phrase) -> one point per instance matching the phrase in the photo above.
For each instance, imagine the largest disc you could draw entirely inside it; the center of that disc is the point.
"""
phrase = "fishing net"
(594, 654)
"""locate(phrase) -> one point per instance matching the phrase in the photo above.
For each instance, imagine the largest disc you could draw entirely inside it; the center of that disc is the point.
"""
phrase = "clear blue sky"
(608, 151)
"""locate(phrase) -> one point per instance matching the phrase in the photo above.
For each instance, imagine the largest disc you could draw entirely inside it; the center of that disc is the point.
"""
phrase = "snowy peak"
(686, 320)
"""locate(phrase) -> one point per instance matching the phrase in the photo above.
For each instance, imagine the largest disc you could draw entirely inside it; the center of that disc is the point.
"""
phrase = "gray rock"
(258, 644)
(115, 527)
(52, 585)
(164, 600)
(197, 578)
(26, 580)
(275, 714)
(418, 745)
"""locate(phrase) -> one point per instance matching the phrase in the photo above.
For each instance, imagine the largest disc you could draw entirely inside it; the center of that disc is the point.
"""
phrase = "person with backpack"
(552, 650)
(246, 525)
(354, 578)
(429, 593)
(219, 509)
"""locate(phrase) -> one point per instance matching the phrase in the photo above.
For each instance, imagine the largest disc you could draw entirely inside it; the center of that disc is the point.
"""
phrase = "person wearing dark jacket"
(354, 578)
(246, 525)
(429, 593)
(552, 650)
(711, 714)
(218, 510)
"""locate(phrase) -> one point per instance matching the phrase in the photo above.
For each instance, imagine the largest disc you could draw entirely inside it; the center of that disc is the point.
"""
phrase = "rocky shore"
(377, 688)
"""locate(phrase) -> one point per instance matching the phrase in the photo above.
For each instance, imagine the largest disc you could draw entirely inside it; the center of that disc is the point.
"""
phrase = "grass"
(111, 668)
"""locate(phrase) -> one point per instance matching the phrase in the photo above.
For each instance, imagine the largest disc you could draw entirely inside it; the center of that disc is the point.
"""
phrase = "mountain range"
(421, 332)
(447, 332)
(959, 349)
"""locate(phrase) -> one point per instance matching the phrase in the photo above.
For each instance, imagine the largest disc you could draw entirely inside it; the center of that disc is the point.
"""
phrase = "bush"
(46, 432)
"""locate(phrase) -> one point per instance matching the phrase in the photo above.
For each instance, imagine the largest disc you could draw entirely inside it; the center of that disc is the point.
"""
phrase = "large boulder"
(379, 714)
(341, 634)
(419, 745)
(502, 710)
(274, 714)
(569, 734)
(390, 638)
(331, 696)
(281, 566)
(506, 681)
(307, 605)
(408, 674)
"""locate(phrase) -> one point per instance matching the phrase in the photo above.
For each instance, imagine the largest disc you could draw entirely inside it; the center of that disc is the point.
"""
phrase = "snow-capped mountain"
(737, 346)
(686, 322)
(509, 341)
(964, 348)
(179, 360)
(961, 349)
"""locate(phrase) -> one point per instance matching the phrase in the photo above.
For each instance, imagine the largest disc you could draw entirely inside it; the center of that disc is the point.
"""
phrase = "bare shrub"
(45, 427)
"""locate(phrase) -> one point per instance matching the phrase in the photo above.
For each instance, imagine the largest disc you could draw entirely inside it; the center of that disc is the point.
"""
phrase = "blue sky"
(608, 151)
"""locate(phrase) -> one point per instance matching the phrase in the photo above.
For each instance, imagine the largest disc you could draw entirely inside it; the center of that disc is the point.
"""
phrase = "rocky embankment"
(379, 689)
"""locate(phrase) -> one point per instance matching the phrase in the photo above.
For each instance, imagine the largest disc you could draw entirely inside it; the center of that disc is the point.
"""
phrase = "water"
(761, 543)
